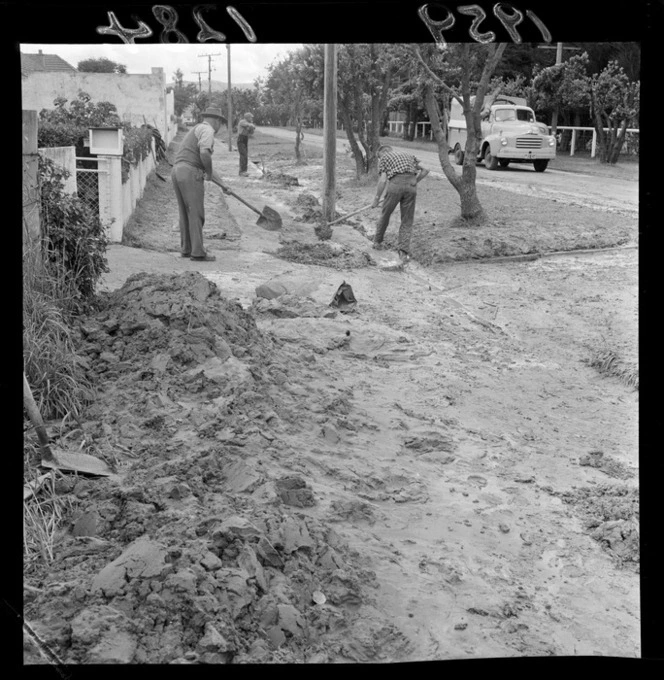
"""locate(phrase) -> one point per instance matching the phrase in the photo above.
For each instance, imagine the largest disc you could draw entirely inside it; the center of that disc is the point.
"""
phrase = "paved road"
(600, 193)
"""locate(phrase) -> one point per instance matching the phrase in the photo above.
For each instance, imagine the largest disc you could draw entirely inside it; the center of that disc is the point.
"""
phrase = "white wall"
(63, 157)
(137, 97)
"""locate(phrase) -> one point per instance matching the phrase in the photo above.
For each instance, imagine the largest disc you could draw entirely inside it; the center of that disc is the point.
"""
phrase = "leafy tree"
(474, 65)
(294, 88)
(609, 96)
(562, 87)
(101, 65)
(614, 104)
(365, 75)
(243, 101)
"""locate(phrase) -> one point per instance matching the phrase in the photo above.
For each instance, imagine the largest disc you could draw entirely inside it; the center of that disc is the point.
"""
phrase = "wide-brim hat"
(213, 113)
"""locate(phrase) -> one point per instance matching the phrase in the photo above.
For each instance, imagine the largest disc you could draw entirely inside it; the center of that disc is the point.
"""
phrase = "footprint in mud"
(478, 481)
(396, 488)
(430, 442)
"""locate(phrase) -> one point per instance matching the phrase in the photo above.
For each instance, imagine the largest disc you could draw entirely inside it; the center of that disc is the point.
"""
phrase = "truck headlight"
(552, 141)
(503, 141)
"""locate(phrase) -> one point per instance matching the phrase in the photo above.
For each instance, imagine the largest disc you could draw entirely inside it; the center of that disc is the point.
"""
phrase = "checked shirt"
(396, 163)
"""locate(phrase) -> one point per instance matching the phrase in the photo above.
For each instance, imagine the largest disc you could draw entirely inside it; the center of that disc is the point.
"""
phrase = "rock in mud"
(101, 634)
(294, 491)
(213, 641)
(621, 538)
(143, 559)
(294, 535)
(242, 478)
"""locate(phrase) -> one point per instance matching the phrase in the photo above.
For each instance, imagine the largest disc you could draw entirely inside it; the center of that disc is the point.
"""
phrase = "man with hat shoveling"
(193, 164)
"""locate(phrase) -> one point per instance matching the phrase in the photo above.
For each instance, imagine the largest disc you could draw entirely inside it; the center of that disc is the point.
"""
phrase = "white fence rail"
(397, 126)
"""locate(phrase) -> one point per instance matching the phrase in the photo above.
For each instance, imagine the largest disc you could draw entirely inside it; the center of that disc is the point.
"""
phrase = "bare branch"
(433, 76)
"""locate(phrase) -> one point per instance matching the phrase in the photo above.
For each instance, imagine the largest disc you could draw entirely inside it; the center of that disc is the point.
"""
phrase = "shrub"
(74, 240)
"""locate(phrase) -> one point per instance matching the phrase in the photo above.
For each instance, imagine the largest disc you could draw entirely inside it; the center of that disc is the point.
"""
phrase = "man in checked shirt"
(400, 173)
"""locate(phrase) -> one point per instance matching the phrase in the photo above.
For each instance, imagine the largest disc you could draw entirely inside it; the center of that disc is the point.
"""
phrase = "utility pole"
(200, 86)
(210, 69)
(228, 96)
(329, 132)
(559, 60)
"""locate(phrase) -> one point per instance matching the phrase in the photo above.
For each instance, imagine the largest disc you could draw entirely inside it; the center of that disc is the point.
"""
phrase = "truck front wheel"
(458, 155)
(490, 161)
(540, 166)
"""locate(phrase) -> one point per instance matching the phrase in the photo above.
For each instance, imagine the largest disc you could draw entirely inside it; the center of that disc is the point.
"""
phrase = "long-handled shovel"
(269, 218)
(340, 219)
(77, 462)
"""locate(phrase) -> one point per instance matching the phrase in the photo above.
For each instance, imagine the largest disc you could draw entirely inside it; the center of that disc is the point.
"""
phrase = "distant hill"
(217, 85)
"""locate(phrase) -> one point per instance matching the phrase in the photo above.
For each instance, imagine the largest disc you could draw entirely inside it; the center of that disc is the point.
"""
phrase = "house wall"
(137, 97)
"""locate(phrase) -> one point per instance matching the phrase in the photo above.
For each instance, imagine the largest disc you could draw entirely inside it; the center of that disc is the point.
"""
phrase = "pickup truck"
(510, 134)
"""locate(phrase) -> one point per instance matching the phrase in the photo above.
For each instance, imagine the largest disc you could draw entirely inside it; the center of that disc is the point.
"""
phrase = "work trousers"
(401, 190)
(243, 147)
(188, 182)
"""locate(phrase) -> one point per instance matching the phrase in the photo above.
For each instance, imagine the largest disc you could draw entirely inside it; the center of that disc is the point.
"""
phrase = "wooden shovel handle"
(339, 219)
(36, 419)
(239, 198)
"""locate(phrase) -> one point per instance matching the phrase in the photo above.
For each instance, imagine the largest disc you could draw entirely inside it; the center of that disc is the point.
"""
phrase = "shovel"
(269, 218)
(74, 462)
(340, 219)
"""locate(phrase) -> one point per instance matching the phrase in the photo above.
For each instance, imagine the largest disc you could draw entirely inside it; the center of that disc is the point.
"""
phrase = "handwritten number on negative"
(480, 15)
(127, 35)
(508, 15)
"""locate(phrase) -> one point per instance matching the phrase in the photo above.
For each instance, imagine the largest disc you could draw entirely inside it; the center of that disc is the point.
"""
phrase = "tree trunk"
(614, 153)
(465, 184)
(413, 121)
(298, 138)
(354, 147)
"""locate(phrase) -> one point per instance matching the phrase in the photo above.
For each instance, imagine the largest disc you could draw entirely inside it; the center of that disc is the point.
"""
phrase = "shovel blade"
(78, 462)
(270, 219)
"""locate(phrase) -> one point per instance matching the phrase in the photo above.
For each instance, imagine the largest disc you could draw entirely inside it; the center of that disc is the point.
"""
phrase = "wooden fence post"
(31, 200)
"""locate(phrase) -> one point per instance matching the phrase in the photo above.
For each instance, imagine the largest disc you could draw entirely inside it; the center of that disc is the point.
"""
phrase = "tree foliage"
(68, 125)
(293, 90)
(365, 77)
(101, 65)
(609, 96)
(183, 93)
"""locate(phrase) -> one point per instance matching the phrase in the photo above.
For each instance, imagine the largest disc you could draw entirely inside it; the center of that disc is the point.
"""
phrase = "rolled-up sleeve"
(205, 138)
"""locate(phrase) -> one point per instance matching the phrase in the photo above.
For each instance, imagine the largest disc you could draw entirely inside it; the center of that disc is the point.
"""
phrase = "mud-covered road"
(598, 193)
(447, 469)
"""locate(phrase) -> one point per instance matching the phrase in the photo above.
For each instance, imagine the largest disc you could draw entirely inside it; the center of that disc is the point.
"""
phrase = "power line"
(200, 86)
(210, 69)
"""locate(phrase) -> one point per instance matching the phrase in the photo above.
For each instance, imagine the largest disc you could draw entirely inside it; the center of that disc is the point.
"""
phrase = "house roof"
(43, 62)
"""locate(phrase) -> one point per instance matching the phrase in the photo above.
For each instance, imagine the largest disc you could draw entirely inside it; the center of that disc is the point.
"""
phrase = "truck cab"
(510, 134)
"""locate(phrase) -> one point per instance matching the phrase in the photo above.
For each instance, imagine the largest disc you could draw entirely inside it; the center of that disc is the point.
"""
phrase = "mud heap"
(203, 550)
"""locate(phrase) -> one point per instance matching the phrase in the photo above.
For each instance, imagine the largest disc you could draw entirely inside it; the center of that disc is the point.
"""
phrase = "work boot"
(205, 258)
(403, 256)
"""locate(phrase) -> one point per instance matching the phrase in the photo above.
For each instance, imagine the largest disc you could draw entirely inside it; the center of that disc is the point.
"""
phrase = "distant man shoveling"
(399, 174)
(193, 163)
(245, 129)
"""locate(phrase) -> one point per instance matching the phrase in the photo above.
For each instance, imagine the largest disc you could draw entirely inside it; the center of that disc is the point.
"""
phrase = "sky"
(248, 61)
